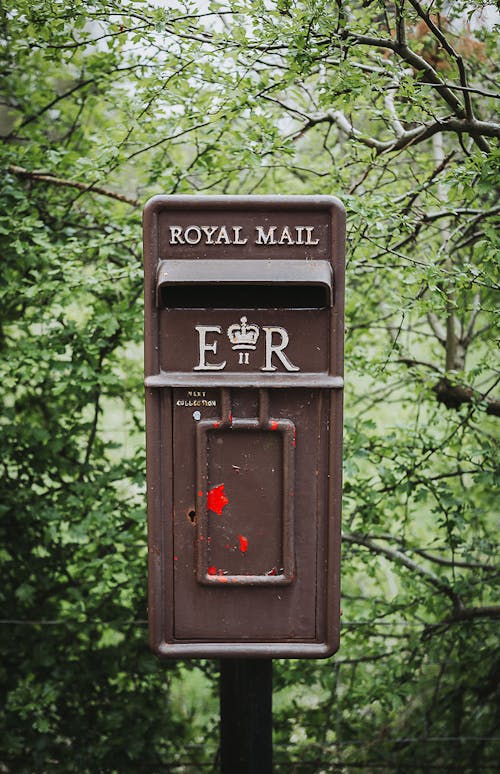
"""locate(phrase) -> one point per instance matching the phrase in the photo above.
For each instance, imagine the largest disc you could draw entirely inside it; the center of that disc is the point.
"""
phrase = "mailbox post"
(244, 381)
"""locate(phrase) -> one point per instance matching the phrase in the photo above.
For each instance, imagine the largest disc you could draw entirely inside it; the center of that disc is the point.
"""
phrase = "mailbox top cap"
(183, 201)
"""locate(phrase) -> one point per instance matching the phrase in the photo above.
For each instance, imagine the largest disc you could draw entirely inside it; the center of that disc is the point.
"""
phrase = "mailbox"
(243, 361)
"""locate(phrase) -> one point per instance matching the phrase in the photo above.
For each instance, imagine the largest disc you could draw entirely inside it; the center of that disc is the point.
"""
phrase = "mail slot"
(244, 380)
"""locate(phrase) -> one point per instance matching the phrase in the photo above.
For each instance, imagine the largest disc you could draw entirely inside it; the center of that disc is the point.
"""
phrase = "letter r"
(176, 235)
(277, 349)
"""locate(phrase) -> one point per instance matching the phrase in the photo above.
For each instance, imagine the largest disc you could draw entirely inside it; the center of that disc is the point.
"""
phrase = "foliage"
(391, 107)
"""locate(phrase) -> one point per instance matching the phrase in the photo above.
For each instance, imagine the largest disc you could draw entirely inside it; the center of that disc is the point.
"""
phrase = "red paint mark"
(294, 439)
(272, 572)
(216, 425)
(209, 540)
(200, 493)
(230, 417)
(274, 425)
(217, 500)
(228, 546)
(176, 558)
(212, 571)
(243, 544)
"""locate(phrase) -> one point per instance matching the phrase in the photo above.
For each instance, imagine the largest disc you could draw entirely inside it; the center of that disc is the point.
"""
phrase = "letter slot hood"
(233, 284)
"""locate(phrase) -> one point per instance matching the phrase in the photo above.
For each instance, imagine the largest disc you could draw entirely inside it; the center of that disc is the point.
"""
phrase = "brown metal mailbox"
(243, 357)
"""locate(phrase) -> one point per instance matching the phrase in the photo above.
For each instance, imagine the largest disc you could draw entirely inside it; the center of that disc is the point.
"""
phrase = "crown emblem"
(243, 336)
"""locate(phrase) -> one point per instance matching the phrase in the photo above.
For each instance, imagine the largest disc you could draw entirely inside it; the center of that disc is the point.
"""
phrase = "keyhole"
(192, 515)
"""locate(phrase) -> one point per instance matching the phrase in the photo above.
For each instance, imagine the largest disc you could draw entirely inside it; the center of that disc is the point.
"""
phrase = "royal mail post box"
(243, 358)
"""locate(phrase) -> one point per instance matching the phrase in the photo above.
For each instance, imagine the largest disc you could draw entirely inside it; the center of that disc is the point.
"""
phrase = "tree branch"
(170, 137)
(471, 613)
(455, 395)
(400, 558)
(47, 106)
(437, 328)
(398, 127)
(449, 48)
(466, 122)
(461, 616)
(456, 211)
(476, 129)
(413, 363)
(42, 177)
(432, 557)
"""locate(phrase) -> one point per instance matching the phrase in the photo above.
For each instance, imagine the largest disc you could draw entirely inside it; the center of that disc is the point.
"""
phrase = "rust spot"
(212, 571)
(243, 544)
(216, 499)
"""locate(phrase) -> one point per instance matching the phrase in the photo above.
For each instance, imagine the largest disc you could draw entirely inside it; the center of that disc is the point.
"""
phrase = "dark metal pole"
(246, 716)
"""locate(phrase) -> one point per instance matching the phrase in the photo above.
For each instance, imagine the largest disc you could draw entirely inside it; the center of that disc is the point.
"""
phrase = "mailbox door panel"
(237, 575)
